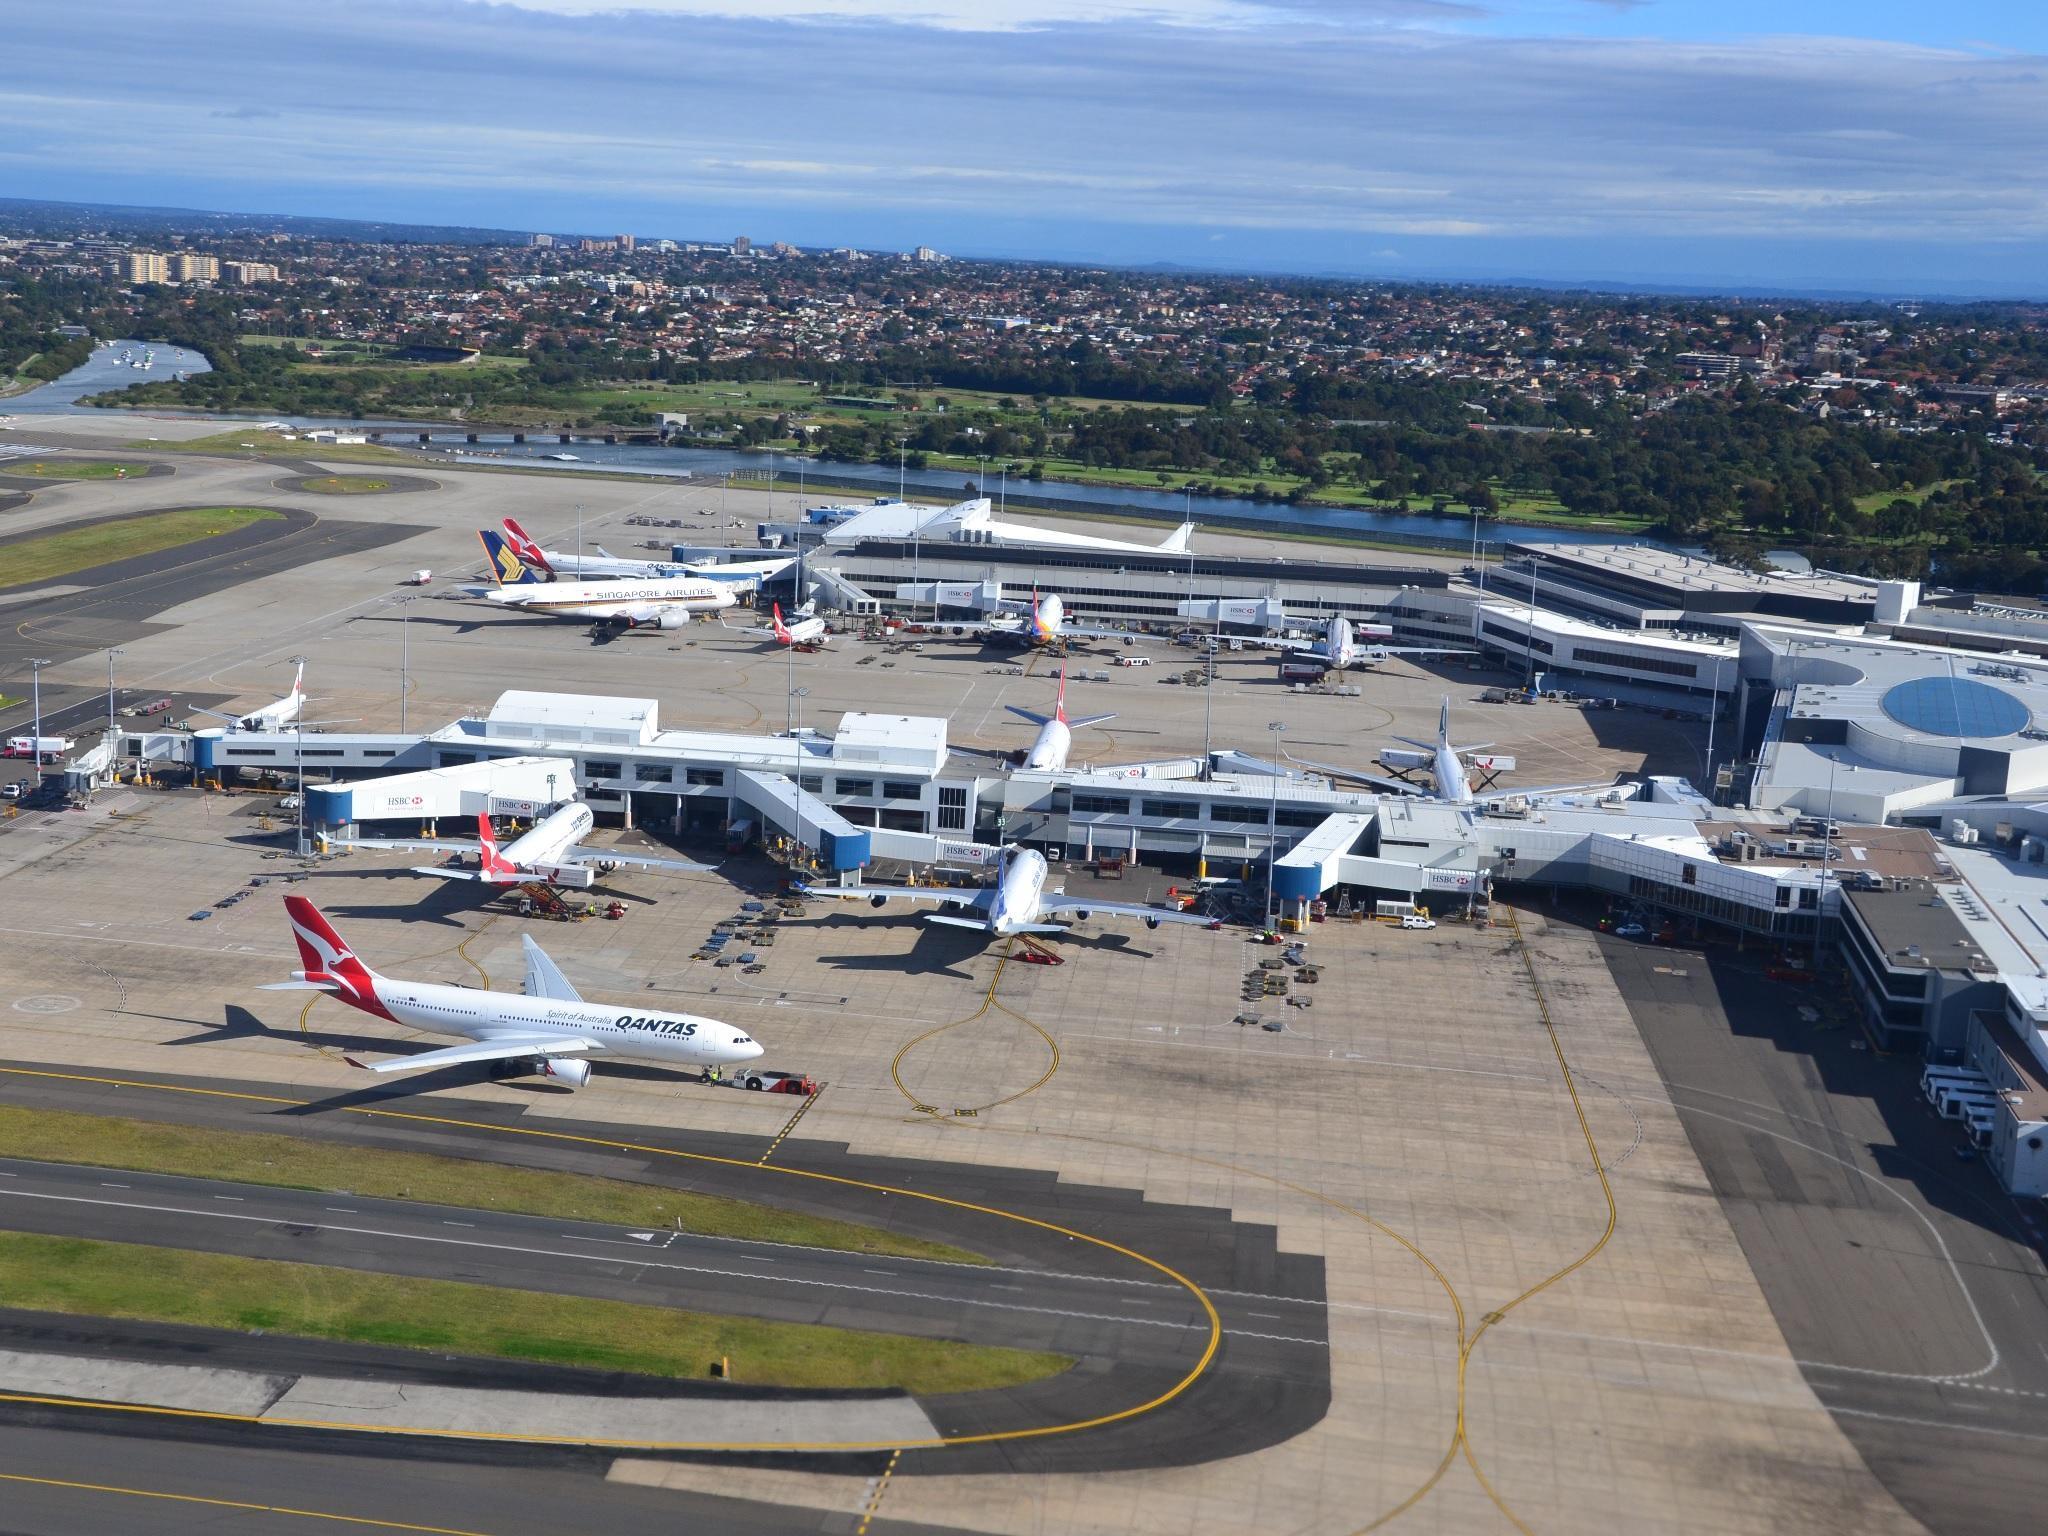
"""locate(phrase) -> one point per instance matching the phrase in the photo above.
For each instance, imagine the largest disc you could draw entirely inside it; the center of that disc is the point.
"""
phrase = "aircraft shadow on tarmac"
(942, 952)
(239, 1023)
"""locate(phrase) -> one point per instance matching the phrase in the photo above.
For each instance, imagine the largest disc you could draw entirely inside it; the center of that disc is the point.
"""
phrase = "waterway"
(106, 370)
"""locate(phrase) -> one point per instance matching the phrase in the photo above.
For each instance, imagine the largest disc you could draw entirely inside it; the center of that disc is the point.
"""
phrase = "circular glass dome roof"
(1956, 706)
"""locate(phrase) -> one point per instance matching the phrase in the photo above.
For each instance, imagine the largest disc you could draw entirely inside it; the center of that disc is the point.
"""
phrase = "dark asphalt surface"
(1911, 1289)
(1150, 1323)
(1260, 1389)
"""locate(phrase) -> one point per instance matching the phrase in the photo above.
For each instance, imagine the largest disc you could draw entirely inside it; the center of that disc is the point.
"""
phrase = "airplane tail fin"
(298, 681)
(781, 629)
(1443, 724)
(507, 569)
(323, 954)
(1176, 542)
(489, 859)
(1059, 708)
(524, 546)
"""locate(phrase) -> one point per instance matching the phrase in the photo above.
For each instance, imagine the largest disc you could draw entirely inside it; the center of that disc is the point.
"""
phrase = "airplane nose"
(750, 1051)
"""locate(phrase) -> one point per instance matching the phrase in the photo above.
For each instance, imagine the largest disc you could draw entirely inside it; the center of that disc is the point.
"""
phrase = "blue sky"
(1879, 146)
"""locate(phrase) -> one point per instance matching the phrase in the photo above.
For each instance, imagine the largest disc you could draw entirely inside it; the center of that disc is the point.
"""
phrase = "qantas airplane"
(668, 602)
(801, 628)
(271, 717)
(1016, 904)
(1055, 731)
(551, 1030)
(558, 563)
(551, 852)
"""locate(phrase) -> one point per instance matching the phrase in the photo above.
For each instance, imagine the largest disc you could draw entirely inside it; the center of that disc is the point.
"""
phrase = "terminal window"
(710, 777)
(901, 789)
(597, 768)
(861, 787)
(1172, 808)
(654, 773)
(1102, 805)
(952, 808)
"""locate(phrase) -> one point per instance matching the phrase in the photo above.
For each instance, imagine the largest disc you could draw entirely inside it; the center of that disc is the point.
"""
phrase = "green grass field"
(248, 442)
(346, 485)
(1874, 501)
(289, 1162)
(84, 469)
(81, 549)
(172, 1285)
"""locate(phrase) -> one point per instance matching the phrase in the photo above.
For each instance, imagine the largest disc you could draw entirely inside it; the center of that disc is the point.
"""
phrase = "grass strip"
(290, 1162)
(345, 485)
(85, 1277)
(81, 549)
(56, 469)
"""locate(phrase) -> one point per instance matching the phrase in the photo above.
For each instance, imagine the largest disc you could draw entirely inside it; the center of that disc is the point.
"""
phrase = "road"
(1910, 1288)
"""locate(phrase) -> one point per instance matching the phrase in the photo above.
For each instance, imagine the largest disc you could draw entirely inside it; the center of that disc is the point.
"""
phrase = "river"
(106, 370)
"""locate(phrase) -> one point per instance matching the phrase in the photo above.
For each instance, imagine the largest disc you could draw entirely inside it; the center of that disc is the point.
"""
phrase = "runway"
(1135, 1333)
(1134, 1320)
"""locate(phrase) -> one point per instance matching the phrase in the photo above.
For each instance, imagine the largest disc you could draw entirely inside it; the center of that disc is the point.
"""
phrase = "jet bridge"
(834, 591)
(799, 814)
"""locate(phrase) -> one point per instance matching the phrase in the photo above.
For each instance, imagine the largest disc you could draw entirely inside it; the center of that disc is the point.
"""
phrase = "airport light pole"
(1273, 818)
(35, 688)
(579, 538)
(112, 652)
(1529, 634)
(404, 658)
(299, 734)
(796, 754)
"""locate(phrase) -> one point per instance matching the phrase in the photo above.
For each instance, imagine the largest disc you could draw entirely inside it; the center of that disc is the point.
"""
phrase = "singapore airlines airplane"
(668, 602)
(1055, 731)
(559, 563)
(550, 852)
(551, 1030)
(1016, 904)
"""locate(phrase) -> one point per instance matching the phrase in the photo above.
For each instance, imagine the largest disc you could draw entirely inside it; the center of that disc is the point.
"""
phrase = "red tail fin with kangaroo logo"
(491, 861)
(781, 629)
(326, 957)
(1059, 708)
(525, 548)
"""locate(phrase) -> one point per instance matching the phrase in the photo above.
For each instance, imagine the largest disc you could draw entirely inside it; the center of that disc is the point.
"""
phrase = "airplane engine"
(1151, 922)
(570, 1071)
(1081, 913)
(878, 901)
(665, 618)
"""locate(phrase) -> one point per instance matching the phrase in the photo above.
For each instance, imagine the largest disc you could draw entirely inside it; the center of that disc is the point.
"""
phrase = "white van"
(1955, 1103)
(1134, 661)
(1934, 1079)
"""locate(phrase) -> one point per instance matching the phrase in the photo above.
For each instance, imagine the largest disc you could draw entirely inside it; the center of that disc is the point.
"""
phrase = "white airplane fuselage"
(1055, 740)
(543, 844)
(614, 599)
(665, 1039)
(1019, 885)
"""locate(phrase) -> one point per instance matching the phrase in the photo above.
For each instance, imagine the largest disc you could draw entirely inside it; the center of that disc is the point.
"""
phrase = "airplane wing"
(979, 899)
(583, 853)
(543, 977)
(1390, 785)
(502, 1048)
(1153, 915)
(1088, 632)
(408, 844)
